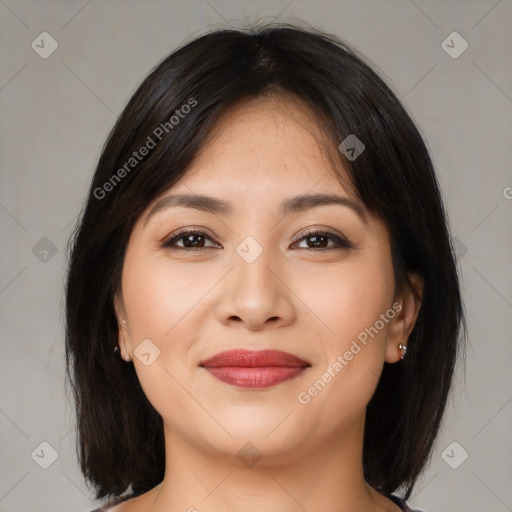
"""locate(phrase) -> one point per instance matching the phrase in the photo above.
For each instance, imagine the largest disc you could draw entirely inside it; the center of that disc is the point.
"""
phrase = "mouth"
(254, 368)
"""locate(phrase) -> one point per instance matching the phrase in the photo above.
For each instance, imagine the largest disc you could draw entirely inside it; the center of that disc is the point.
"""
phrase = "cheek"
(351, 298)
(157, 296)
(167, 306)
(350, 302)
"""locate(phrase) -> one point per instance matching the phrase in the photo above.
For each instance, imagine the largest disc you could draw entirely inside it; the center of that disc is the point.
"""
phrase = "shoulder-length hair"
(120, 435)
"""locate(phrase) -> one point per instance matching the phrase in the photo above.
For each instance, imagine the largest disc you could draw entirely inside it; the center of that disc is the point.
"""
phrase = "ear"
(123, 335)
(407, 306)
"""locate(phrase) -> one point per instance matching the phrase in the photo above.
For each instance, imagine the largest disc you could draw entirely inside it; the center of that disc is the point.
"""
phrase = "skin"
(311, 302)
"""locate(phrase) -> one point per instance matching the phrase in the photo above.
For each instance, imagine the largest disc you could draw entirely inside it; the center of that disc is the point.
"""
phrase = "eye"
(190, 240)
(321, 240)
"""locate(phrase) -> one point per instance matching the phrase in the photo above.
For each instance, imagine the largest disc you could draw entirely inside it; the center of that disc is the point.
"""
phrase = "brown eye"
(189, 240)
(317, 241)
(193, 240)
(323, 240)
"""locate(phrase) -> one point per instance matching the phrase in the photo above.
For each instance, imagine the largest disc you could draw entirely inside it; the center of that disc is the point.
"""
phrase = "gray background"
(56, 114)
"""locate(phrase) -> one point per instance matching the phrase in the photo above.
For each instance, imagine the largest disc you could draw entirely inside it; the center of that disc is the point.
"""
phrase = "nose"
(255, 296)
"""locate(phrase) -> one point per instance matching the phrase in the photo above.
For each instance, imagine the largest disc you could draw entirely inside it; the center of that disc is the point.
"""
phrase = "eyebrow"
(217, 206)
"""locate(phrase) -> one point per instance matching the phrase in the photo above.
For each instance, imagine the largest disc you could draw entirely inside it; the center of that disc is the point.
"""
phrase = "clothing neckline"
(401, 503)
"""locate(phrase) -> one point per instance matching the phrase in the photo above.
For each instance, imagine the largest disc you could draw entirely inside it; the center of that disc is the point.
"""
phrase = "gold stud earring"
(403, 350)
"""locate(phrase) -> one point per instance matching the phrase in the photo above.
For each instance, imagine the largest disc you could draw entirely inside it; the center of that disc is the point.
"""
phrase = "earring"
(125, 358)
(403, 349)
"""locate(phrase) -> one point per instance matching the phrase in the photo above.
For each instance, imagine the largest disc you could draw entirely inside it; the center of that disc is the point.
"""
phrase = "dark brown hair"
(120, 435)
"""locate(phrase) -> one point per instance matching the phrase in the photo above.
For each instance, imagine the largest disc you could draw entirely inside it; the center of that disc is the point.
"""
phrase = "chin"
(275, 437)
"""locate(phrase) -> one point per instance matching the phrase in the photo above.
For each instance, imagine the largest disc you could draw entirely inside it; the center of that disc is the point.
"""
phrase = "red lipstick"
(254, 368)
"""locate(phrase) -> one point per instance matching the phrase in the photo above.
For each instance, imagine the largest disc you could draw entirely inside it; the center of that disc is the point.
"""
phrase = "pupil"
(191, 238)
(317, 241)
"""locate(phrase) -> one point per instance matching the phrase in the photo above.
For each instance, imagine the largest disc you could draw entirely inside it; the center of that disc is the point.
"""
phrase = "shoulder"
(109, 507)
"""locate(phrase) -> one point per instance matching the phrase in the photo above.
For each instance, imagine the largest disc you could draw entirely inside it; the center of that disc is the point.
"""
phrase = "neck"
(319, 478)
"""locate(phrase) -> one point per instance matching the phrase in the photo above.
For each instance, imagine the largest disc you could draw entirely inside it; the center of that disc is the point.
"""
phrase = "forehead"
(271, 144)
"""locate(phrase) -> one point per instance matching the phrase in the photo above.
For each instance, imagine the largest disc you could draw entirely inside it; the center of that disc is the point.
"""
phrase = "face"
(253, 269)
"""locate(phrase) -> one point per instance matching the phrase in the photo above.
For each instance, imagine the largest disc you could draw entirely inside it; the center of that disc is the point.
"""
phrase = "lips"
(254, 369)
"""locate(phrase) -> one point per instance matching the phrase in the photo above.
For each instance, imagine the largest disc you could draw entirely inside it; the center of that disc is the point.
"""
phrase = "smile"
(254, 369)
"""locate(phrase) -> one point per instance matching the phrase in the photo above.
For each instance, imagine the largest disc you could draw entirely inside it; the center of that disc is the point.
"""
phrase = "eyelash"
(340, 241)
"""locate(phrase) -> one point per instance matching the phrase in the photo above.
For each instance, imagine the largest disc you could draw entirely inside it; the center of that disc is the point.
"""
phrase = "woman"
(263, 307)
